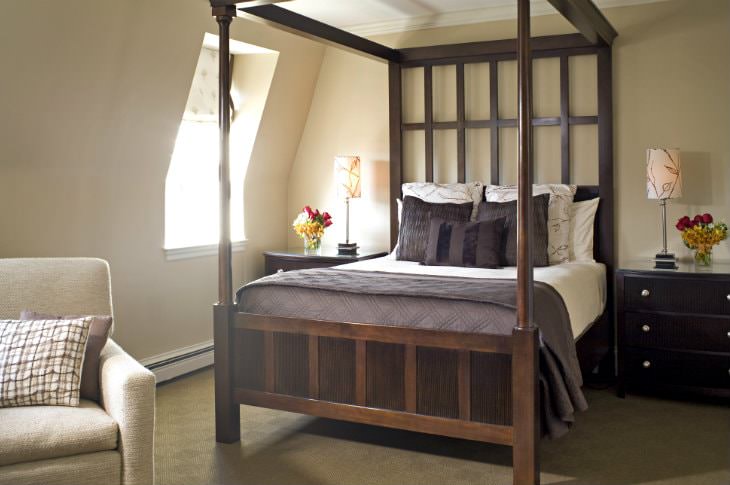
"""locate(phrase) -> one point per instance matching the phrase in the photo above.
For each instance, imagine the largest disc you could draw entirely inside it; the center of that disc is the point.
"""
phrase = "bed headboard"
(562, 47)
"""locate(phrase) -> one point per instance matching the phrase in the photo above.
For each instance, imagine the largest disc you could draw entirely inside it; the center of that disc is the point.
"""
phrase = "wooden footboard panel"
(438, 382)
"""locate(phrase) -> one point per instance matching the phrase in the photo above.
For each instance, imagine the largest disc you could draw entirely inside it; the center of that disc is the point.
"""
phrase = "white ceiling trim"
(507, 10)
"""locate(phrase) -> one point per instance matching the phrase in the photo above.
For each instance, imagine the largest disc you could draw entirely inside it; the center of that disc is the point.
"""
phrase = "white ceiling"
(372, 17)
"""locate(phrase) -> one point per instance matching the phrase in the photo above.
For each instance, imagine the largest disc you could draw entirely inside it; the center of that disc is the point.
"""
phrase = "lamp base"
(347, 249)
(665, 261)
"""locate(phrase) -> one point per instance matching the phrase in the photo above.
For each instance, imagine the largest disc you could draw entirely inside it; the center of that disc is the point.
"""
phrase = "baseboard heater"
(180, 362)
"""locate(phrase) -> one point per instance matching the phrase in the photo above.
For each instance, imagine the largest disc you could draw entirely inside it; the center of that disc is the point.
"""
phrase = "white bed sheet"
(582, 285)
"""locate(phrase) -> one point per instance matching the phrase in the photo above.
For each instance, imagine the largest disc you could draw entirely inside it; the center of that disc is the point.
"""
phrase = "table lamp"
(347, 178)
(663, 182)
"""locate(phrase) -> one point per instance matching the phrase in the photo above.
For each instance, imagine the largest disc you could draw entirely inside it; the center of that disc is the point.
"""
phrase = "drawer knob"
(728, 297)
(646, 364)
(645, 293)
(279, 270)
(645, 328)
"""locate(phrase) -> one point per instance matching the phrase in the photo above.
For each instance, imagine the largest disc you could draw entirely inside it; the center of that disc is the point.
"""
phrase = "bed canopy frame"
(522, 430)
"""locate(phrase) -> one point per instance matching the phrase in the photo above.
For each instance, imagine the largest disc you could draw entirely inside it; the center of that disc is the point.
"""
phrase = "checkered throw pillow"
(40, 361)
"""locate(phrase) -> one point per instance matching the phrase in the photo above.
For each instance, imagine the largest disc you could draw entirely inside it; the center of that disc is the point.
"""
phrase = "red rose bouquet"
(701, 234)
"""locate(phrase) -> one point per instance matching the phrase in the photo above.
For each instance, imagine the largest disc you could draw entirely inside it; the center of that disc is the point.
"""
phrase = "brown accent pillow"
(489, 211)
(416, 222)
(98, 334)
(475, 244)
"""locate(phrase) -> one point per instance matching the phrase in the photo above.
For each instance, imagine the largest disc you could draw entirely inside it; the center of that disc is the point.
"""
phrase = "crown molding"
(504, 10)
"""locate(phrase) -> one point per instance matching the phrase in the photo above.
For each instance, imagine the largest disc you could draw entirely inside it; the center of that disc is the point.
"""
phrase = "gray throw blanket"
(471, 305)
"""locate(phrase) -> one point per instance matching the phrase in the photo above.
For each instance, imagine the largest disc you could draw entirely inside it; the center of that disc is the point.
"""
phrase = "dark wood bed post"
(227, 411)
(525, 363)
(395, 120)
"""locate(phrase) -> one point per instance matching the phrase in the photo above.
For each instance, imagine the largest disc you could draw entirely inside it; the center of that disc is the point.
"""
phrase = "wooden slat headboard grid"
(560, 47)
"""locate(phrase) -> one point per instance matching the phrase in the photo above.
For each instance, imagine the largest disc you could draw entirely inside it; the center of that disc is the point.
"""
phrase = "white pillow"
(41, 361)
(446, 193)
(561, 198)
(582, 217)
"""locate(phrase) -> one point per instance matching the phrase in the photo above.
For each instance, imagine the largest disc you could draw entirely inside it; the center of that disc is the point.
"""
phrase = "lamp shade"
(663, 174)
(347, 176)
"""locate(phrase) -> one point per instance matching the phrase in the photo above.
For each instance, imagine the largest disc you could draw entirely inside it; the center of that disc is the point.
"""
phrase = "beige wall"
(251, 86)
(92, 99)
(671, 88)
(92, 96)
(348, 116)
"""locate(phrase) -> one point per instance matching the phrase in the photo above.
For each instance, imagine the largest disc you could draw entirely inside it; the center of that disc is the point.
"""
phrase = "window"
(192, 186)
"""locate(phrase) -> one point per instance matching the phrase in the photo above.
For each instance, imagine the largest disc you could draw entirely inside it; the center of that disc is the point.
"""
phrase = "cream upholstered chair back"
(60, 286)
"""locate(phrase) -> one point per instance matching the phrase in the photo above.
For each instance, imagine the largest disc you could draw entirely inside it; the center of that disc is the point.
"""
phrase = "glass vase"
(312, 246)
(703, 258)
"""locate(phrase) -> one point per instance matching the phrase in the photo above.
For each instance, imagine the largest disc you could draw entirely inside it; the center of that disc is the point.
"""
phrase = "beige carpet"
(638, 440)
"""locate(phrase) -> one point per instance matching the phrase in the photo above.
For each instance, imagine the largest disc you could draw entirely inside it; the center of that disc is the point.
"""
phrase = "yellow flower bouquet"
(310, 225)
(701, 234)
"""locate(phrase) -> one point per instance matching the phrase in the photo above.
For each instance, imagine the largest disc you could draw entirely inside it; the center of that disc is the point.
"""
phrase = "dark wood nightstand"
(674, 329)
(291, 259)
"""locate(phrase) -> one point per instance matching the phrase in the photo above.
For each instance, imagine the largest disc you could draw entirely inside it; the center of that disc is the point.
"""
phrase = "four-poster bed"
(374, 374)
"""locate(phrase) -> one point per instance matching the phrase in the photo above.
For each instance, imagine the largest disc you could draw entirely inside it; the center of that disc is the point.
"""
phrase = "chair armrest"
(128, 396)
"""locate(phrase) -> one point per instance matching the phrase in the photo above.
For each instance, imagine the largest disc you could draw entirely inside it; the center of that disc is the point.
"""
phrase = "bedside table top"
(328, 253)
(721, 268)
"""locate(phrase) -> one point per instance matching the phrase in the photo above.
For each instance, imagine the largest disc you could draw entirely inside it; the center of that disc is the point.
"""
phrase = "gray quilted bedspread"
(432, 302)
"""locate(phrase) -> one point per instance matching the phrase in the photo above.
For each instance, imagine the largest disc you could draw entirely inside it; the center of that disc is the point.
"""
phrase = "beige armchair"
(109, 442)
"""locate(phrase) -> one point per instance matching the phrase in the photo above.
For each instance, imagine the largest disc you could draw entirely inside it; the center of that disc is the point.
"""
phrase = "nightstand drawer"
(677, 332)
(651, 367)
(690, 295)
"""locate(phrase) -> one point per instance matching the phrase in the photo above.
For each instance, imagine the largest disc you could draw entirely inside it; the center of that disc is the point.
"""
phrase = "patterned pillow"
(417, 214)
(507, 211)
(561, 198)
(101, 325)
(446, 193)
(475, 244)
(40, 361)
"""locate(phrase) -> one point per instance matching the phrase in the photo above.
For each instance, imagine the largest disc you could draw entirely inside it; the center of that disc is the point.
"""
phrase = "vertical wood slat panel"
(494, 117)
(360, 372)
(313, 367)
(491, 384)
(428, 121)
(385, 376)
(460, 124)
(249, 359)
(269, 361)
(464, 371)
(291, 364)
(438, 382)
(410, 378)
(337, 374)
(564, 118)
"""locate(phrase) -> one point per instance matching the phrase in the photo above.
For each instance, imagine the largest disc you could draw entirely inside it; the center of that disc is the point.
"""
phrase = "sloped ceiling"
(372, 17)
